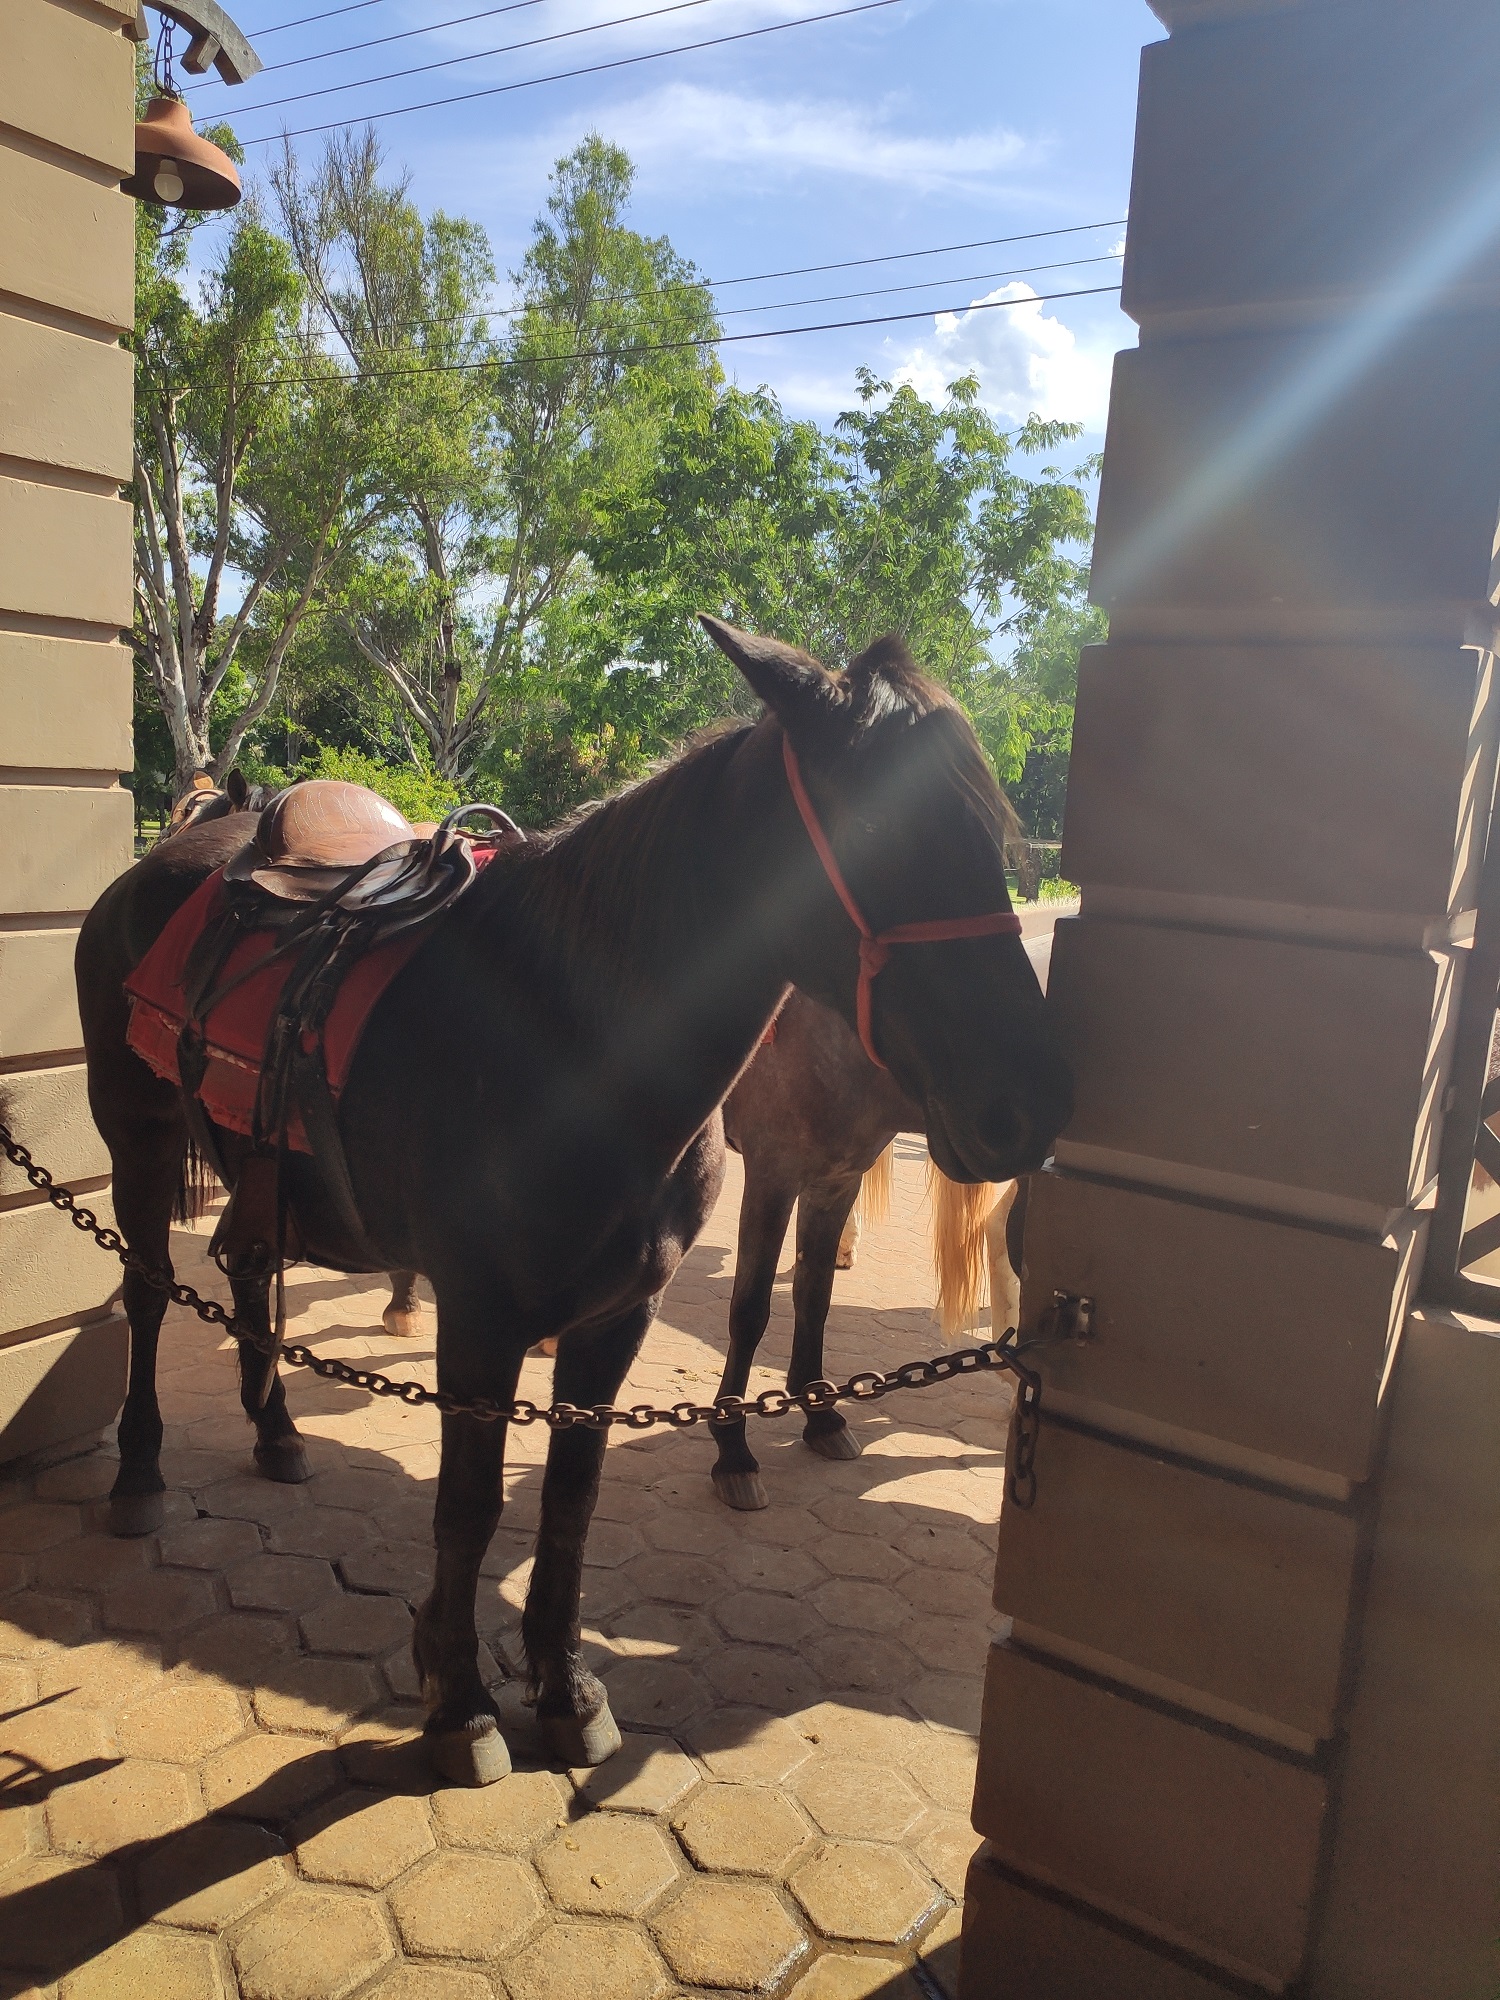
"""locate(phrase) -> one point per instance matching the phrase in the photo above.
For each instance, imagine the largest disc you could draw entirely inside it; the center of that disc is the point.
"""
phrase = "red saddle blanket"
(235, 1030)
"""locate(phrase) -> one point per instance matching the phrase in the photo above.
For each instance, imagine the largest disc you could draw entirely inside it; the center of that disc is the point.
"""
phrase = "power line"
(305, 20)
(680, 346)
(785, 305)
(590, 69)
(479, 55)
(378, 41)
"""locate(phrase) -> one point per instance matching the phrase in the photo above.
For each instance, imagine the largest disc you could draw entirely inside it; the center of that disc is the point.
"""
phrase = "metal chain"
(867, 1387)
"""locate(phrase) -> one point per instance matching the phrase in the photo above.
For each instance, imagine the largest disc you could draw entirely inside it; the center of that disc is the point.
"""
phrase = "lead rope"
(867, 1387)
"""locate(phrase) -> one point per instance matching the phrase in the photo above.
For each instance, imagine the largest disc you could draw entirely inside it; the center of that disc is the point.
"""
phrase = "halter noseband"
(875, 946)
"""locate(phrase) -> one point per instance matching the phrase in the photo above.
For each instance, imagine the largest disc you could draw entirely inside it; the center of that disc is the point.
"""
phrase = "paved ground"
(208, 1752)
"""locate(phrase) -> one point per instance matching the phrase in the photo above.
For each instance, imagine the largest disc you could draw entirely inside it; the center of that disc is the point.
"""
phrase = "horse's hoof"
(286, 1461)
(574, 1743)
(135, 1514)
(841, 1443)
(401, 1324)
(844, 1261)
(742, 1491)
(469, 1757)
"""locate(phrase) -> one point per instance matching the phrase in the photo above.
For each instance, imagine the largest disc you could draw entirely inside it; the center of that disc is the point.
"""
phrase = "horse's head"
(205, 801)
(899, 787)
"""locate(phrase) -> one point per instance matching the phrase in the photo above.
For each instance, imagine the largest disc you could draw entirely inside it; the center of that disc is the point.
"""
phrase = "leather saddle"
(330, 871)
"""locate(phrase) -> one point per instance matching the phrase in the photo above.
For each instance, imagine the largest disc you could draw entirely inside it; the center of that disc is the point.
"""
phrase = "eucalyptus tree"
(510, 427)
(250, 480)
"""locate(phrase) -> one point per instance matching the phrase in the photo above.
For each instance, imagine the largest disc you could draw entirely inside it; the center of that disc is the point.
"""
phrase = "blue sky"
(923, 123)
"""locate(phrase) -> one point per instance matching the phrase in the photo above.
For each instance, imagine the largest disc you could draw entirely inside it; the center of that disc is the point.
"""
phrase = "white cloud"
(1026, 360)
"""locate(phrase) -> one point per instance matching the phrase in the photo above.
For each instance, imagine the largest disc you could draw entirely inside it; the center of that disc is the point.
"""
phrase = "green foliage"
(420, 794)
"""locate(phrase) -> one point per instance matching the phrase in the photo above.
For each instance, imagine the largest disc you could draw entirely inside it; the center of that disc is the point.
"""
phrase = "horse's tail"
(875, 1188)
(959, 1250)
(197, 1184)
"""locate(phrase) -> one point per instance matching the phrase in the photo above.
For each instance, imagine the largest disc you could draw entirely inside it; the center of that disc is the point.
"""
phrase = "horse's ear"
(790, 682)
(236, 790)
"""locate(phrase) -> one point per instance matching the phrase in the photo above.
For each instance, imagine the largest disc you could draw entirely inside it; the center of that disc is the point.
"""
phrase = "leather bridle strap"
(875, 946)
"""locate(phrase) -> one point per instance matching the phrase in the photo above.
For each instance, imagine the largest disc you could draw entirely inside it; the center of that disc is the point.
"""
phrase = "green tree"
(250, 454)
(502, 449)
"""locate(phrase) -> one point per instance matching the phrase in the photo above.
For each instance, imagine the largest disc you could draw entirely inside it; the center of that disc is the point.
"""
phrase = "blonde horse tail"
(875, 1188)
(959, 1250)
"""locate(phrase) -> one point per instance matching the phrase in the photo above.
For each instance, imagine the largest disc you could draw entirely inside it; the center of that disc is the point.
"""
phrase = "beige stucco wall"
(66, 295)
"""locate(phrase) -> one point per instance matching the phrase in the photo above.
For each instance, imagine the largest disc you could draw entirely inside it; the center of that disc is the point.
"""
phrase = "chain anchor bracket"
(1069, 1317)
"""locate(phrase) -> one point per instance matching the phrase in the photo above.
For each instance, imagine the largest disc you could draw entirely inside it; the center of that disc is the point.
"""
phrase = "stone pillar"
(67, 294)
(1206, 1757)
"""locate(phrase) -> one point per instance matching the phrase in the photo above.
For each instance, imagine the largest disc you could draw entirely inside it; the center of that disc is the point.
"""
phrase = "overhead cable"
(675, 346)
(305, 20)
(377, 41)
(565, 75)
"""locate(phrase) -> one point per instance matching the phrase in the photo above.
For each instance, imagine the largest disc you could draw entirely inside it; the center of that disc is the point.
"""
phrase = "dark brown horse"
(532, 1117)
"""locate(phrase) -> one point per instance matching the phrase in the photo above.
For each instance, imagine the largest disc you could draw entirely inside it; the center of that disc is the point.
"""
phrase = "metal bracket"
(1069, 1317)
(216, 39)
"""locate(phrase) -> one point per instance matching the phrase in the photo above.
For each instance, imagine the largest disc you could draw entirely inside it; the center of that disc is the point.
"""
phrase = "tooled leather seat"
(314, 834)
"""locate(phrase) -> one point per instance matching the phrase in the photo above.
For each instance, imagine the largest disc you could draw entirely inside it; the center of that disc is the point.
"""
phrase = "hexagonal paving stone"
(508, 1818)
(87, 1478)
(676, 1579)
(938, 1952)
(947, 1593)
(662, 1631)
(862, 1801)
(247, 1497)
(655, 1691)
(948, 1644)
(748, 1744)
(329, 1532)
(94, 1562)
(857, 1726)
(688, 1531)
(431, 1982)
(181, 1721)
(840, 1976)
(863, 1607)
(765, 1619)
(269, 1777)
(470, 1906)
(363, 1839)
(387, 1752)
(131, 1801)
(362, 1487)
(869, 1894)
(952, 1701)
(861, 1662)
(735, 1934)
(943, 1766)
(647, 1774)
(318, 1696)
(210, 1544)
(151, 1965)
(761, 1677)
(585, 1962)
(403, 1569)
(280, 1583)
(164, 1600)
(863, 1555)
(38, 1524)
(792, 1572)
(743, 1830)
(21, 1828)
(58, 1736)
(611, 1544)
(944, 1548)
(359, 1627)
(310, 1945)
(212, 1874)
(946, 1852)
(36, 1623)
(246, 1647)
(108, 1674)
(607, 1865)
(70, 1908)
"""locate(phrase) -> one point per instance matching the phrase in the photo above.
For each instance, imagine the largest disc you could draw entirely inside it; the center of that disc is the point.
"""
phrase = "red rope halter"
(875, 946)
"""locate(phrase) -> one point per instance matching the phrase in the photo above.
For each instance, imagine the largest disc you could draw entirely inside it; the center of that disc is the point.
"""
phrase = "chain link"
(866, 1387)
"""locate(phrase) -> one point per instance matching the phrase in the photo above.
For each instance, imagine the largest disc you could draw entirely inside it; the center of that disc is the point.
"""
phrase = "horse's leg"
(821, 1215)
(463, 1739)
(764, 1214)
(402, 1318)
(279, 1452)
(1005, 1283)
(147, 1161)
(572, 1707)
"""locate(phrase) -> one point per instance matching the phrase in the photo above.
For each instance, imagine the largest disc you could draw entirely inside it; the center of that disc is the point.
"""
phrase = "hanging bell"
(175, 165)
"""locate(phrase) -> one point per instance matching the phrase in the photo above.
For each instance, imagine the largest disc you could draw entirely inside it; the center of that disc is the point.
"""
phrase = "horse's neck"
(655, 910)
